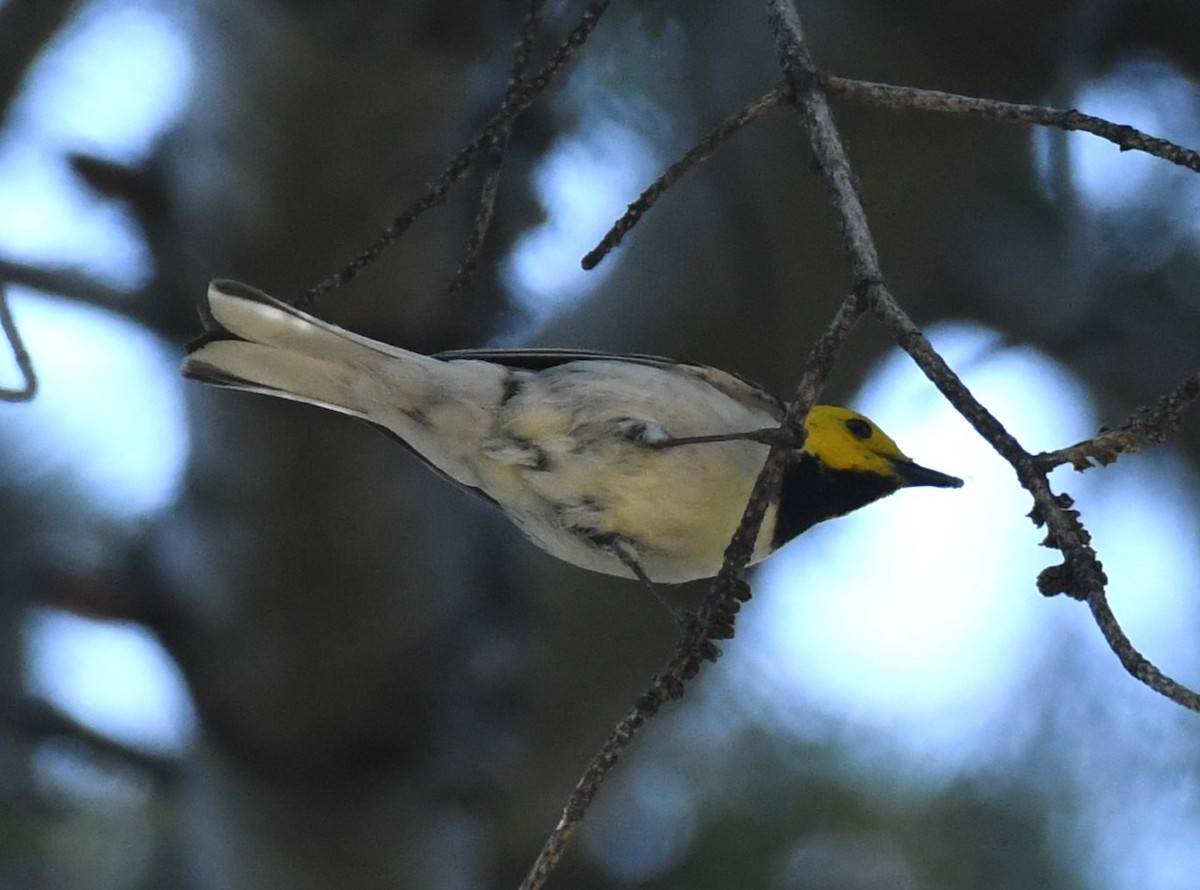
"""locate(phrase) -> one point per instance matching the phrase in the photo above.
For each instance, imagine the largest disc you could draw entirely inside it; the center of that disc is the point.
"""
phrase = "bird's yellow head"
(841, 439)
(846, 463)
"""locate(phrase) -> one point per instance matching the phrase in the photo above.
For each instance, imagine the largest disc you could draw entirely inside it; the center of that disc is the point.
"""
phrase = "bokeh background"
(248, 644)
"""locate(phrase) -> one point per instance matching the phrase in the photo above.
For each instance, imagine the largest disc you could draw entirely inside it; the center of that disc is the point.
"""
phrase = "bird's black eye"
(859, 428)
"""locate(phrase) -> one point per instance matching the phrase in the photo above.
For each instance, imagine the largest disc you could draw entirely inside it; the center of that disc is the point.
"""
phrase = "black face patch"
(859, 428)
(811, 492)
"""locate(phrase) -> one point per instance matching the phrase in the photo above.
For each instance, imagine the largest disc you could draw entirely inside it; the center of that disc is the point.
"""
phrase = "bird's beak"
(912, 474)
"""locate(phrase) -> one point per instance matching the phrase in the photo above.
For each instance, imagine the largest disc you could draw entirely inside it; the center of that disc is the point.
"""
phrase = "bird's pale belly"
(676, 507)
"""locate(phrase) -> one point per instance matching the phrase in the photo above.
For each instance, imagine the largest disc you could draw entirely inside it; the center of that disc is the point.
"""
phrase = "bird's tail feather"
(441, 409)
(259, 344)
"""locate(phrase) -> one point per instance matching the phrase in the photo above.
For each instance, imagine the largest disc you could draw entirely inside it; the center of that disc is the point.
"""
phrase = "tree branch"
(897, 98)
(37, 720)
(717, 615)
(905, 98)
(491, 134)
(716, 618)
(24, 363)
(1147, 425)
(495, 156)
(701, 151)
(1081, 575)
(68, 282)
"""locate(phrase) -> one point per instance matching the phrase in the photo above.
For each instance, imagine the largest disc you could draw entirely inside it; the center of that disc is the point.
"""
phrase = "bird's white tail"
(259, 344)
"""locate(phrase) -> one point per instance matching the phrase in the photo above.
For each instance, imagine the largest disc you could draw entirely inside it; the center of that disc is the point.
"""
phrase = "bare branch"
(113, 595)
(1147, 425)
(858, 242)
(67, 282)
(495, 155)
(701, 151)
(489, 136)
(37, 720)
(898, 98)
(903, 98)
(717, 615)
(29, 389)
(1140, 667)
(1080, 575)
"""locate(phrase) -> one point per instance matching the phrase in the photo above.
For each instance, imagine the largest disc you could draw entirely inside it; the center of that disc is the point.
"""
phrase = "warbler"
(587, 452)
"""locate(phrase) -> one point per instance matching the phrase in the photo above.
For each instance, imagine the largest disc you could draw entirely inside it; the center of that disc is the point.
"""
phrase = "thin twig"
(38, 720)
(435, 194)
(1081, 577)
(68, 282)
(1148, 425)
(1081, 574)
(1140, 667)
(858, 242)
(717, 615)
(699, 152)
(24, 362)
(904, 98)
(494, 161)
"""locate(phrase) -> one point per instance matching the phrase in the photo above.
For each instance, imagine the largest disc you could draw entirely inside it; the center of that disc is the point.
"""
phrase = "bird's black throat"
(811, 492)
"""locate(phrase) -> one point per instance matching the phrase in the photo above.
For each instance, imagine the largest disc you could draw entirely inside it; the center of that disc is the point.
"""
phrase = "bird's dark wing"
(738, 388)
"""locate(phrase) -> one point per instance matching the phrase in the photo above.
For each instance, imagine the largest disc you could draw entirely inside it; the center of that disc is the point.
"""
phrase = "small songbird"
(587, 452)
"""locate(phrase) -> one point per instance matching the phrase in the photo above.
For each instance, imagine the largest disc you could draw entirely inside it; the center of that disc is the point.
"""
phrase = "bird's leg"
(624, 551)
(768, 436)
(655, 435)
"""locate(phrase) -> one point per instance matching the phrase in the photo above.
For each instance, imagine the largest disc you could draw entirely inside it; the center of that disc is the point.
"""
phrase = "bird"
(629, 465)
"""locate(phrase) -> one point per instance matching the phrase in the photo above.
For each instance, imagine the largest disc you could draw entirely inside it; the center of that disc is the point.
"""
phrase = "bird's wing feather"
(732, 385)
